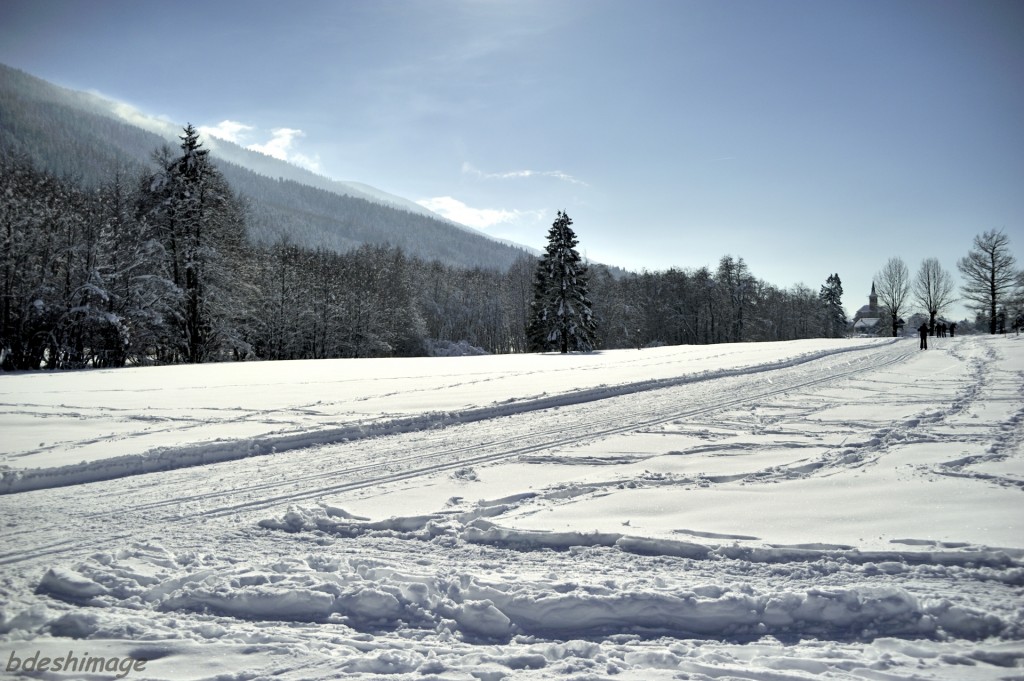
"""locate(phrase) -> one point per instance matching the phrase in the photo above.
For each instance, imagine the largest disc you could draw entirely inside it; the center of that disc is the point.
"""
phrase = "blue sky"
(806, 137)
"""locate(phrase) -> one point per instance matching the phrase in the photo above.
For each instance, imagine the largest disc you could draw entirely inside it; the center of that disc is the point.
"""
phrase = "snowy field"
(831, 509)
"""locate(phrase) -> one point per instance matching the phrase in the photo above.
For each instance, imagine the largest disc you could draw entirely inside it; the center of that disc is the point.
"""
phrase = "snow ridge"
(370, 597)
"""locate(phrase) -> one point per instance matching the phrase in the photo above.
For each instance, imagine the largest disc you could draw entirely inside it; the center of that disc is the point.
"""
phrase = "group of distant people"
(939, 331)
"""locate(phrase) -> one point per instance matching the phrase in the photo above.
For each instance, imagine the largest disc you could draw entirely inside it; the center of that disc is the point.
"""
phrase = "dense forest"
(157, 266)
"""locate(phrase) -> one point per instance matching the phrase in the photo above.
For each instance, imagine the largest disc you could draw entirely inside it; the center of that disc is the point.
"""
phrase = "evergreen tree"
(831, 296)
(560, 316)
(200, 224)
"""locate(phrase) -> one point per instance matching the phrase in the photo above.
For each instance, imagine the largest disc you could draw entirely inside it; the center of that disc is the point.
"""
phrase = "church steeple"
(873, 299)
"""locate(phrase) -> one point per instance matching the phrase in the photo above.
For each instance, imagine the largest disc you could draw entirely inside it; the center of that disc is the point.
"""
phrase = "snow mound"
(487, 609)
(472, 607)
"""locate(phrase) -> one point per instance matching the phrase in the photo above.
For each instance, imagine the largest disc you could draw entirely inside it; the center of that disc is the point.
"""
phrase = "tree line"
(157, 267)
(993, 286)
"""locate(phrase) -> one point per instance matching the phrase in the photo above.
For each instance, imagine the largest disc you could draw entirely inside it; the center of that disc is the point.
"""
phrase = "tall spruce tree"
(200, 224)
(560, 315)
(831, 296)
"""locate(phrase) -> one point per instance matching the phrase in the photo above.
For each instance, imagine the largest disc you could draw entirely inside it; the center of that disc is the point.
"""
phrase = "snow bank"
(472, 526)
(320, 588)
(479, 608)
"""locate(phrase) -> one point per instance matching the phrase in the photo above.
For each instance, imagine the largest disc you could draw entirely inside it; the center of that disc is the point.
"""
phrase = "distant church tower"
(867, 318)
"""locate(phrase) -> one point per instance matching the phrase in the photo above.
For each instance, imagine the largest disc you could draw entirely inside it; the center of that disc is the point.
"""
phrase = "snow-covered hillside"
(832, 509)
(45, 121)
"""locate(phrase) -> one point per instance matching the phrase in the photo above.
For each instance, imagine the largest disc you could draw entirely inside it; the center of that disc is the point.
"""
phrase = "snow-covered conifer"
(201, 226)
(561, 317)
(831, 296)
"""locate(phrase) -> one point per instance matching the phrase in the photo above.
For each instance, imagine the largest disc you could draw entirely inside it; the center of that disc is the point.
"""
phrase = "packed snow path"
(822, 509)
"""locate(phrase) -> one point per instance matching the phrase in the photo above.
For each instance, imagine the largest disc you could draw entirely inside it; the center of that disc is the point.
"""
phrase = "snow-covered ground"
(832, 509)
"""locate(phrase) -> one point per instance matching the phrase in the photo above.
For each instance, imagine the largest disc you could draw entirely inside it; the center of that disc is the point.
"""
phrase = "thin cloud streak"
(469, 169)
(480, 218)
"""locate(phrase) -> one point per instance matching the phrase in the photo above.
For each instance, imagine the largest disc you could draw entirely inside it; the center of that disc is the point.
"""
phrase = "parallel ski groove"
(565, 437)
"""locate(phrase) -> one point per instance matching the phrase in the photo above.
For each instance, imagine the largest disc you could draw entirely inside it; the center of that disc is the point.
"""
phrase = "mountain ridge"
(89, 137)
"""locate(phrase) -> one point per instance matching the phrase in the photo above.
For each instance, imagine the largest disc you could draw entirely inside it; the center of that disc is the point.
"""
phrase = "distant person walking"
(923, 330)
(952, 329)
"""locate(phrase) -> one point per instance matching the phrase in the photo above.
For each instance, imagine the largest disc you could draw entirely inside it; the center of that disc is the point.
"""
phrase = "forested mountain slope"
(81, 136)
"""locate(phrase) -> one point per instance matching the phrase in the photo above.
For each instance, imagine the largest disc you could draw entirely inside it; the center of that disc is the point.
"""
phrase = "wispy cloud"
(469, 169)
(281, 144)
(156, 124)
(456, 210)
(230, 131)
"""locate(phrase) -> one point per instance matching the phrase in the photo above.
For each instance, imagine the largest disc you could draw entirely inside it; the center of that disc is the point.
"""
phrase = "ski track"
(593, 426)
(166, 458)
(437, 455)
(490, 601)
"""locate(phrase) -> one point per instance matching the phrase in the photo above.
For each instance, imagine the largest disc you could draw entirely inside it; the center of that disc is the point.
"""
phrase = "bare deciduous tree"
(933, 289)
(893, 286)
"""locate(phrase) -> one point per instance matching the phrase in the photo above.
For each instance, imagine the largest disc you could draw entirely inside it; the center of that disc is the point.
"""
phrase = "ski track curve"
(597, 425)
(169, 458)
(436, 446)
